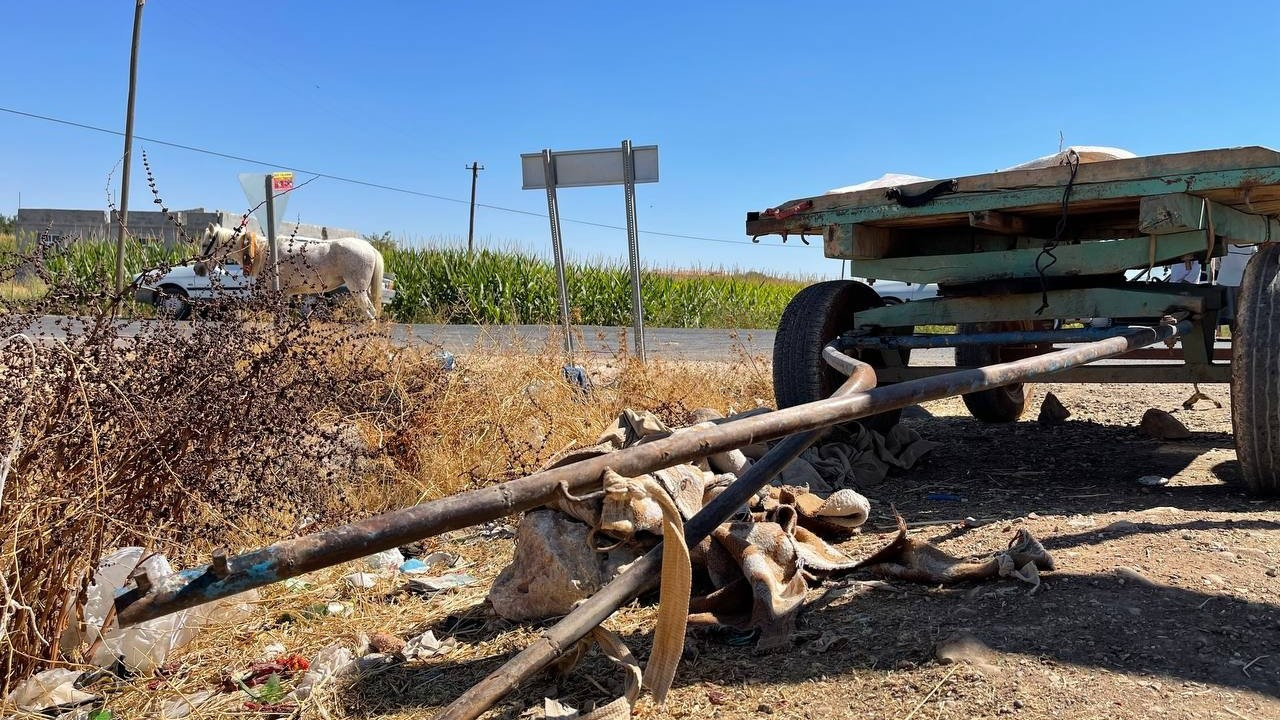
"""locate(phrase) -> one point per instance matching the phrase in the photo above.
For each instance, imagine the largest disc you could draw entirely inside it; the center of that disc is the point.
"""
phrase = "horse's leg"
(362, 297)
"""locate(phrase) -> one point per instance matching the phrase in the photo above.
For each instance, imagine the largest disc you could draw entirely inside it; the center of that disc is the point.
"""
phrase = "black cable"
(1073, 162)
(923, 197)
(364, 183)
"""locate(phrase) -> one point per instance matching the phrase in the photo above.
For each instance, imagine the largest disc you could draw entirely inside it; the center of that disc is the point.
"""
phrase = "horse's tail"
(375, 283)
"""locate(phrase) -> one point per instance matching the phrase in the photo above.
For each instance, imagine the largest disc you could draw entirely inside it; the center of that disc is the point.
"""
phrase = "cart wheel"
(1255, 364)
(1002, 404)
(814, 317)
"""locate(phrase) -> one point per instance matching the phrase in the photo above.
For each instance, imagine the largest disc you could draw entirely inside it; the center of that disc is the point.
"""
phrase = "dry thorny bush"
(252, 422)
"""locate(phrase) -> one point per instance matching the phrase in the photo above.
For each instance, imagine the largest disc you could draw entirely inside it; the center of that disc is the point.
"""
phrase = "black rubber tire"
(998, 405)
(814, 317)
(173, 302)
(1255, 373)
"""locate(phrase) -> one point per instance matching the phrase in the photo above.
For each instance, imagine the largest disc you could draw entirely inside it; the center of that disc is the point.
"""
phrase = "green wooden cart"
(1021, 256)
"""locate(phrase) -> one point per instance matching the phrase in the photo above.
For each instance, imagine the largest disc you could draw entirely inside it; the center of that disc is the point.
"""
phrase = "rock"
(386, 643)
(965, 647)
(1253, 554)
(553, 568)
(1161, 425)
(764, 708)
(1129, 574)
(1052, 411)
(1153, 480)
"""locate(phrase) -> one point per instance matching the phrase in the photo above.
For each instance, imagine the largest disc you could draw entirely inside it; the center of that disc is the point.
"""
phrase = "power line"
(364, 183)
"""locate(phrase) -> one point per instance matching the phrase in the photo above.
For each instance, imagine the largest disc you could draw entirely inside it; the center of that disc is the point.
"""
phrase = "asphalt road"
(669, 343)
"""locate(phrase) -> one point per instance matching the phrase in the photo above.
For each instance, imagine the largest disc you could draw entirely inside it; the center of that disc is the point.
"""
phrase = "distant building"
(65, 226)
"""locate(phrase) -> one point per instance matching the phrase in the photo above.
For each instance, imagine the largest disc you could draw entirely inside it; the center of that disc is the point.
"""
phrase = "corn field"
(447, 285)
(511, 287)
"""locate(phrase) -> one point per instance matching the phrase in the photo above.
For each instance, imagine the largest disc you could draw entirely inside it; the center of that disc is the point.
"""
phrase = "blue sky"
(750, 103)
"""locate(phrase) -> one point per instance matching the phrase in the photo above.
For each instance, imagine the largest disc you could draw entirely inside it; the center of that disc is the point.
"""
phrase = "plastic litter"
(577, 376)
(183, 707)
(392, 558)
(146, 646)
(361, 580)
(1153, 480)
(414, 566)
(49, 688)
(428, 563)
(943, 497)
(328, 664)
(450, 581)
(427, 645)
(272, 651)
(294, 584)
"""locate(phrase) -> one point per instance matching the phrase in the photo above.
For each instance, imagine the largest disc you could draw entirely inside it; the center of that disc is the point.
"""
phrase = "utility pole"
(475, 169)
(128, 146)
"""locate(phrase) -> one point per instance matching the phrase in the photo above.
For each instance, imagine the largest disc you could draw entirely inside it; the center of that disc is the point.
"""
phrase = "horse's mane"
(252, 251)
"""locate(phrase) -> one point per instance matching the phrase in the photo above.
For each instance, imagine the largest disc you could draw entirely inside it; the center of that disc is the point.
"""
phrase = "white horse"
(308, 266)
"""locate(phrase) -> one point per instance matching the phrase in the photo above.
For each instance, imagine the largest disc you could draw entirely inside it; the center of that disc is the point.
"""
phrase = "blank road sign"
(586, 168)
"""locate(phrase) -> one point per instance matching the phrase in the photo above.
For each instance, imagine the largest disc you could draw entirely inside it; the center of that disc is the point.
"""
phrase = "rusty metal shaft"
(290, 558)
(643, 574)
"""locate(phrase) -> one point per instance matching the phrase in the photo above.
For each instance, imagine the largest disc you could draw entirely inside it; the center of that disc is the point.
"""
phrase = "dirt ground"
(1188, 627)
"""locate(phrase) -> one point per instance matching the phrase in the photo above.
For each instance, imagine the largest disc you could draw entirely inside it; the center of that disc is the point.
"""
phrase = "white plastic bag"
(145, 646)
(886, 180)
(47, 689)
(387, 559)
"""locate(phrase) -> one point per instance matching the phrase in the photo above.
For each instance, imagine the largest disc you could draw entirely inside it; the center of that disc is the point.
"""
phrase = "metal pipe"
(290, 558)
(643, 574)
(633, 247)
(1011, 337)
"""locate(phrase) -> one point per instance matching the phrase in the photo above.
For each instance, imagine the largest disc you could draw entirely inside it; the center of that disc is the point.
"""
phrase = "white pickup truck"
(178, 292)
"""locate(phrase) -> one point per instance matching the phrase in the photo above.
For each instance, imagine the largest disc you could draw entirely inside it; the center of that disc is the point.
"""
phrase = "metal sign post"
(261, 192)
(626, 166)
(557, 250)
(633, 245)
(271, 234)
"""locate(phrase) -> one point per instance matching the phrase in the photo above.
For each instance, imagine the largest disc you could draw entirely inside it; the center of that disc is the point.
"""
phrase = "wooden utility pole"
(475, 169)
(128, 146)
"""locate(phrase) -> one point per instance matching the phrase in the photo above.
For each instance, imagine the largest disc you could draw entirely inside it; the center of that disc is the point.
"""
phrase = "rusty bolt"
(142, 580)
(221, 566)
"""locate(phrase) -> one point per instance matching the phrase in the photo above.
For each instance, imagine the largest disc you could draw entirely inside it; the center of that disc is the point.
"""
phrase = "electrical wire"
(1073, 162)
(363, 183)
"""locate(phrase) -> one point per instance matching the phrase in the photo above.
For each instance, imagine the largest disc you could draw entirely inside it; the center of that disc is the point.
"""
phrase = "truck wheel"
(172, 302)
(814, 317)
(1255, 365)
(1002, 404)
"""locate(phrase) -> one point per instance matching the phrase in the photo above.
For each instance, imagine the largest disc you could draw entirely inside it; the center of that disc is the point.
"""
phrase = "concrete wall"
(78, 224)
(73, 225)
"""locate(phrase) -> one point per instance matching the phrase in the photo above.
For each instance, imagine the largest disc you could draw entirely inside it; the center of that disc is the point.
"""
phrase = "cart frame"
(1017, 255)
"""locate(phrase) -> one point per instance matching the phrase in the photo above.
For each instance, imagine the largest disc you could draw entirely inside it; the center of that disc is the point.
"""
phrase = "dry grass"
(239, 429)
(502, 413)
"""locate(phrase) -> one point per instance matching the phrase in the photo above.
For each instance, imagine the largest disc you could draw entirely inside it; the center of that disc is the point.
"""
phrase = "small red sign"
(281, 181)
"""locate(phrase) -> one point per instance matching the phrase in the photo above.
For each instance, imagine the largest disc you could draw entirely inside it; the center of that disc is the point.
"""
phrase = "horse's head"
(219, 244)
